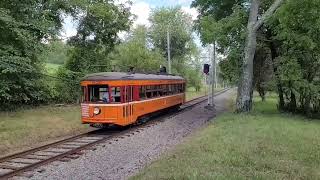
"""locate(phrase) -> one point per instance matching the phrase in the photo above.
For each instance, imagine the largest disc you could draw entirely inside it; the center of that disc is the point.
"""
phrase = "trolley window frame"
(160, 90)
(91, 93)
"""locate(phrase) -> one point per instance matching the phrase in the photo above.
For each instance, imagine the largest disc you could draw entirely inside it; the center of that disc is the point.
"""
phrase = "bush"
(68, 86)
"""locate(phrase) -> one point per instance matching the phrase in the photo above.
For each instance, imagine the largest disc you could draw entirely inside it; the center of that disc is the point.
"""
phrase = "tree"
(55, 52)
(184, 52)
(235, 38)
(97, 34)
(297, 63)
(179, 25)
(24, 26)
(136, 52)
(228, 31)
(245, 89)
(286, 56)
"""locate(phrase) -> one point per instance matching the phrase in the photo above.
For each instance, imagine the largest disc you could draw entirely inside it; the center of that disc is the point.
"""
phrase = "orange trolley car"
(123, 98)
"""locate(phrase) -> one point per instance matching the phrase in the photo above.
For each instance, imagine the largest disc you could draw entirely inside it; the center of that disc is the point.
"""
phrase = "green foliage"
(297, 25)
(217, 9)
(55, 52)
(229, 32)
(30, 51)
(23, 27)
(184, 53)
(289, 39)
(99, 24)
(193, 77)
(134, 52)
(52, 68)
(97, 36)
(67, 86)
(179, 26)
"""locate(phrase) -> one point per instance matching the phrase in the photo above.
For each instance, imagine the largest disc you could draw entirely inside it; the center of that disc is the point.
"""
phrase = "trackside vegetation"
(34, 126)
(261, 145)
(40, 66)
(31, 127)
(286, 57)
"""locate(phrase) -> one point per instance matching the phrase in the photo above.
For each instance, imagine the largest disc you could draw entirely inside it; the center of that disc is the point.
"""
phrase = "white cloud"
(191, 11)
(142, 11)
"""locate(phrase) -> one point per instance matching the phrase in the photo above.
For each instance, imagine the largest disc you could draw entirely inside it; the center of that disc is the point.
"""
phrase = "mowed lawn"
(28, 128)
(261, 145)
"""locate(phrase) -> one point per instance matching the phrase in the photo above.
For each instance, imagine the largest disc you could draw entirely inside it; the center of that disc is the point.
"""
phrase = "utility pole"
(213, 73)
(208, 78)
(168, 49)
(215, 70)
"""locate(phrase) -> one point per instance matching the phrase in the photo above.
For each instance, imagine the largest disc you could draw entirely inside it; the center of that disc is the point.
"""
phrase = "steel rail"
(86, 144)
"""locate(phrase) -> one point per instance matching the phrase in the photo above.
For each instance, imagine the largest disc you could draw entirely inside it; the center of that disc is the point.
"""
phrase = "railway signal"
(206, 69)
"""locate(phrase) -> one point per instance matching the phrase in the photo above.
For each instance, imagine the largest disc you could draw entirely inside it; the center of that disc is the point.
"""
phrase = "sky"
(141, 8)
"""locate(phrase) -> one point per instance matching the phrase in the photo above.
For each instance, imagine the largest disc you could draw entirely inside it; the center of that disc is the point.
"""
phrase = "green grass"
(52, 68)
(260, 145)
(191, 93)
(28, 128)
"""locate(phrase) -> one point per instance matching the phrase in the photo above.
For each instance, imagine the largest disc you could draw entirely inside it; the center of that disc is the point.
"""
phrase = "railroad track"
(70, 148)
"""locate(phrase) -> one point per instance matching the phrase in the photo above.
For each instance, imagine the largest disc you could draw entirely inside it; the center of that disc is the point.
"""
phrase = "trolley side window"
(164, 90)
(149, 91)
(142, 92)
(154, 91)
(99, 93)
(115, 94)
(180, 88)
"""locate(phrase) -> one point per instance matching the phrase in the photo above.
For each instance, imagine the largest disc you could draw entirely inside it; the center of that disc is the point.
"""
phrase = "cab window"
(99, 93)
(83, 94)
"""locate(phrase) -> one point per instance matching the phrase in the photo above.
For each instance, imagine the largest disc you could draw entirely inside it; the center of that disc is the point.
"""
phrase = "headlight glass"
(96, 110)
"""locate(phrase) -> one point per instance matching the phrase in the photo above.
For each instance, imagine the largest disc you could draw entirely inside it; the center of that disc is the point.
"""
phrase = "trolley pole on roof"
(168, 50)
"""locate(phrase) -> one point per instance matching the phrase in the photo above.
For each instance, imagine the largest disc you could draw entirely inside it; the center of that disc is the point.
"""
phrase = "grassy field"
(31, 127)
(52, 68)
(28, 128)
(192, 93)
(261, 145)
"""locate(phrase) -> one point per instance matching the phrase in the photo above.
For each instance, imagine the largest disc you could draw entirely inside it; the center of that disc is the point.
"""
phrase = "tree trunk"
(274, 54)
(307, 107)
(262, 93)
(244, 98)
(293, 102)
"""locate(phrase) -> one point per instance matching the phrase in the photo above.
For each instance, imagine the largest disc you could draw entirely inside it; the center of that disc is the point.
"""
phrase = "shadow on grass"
(269, 108)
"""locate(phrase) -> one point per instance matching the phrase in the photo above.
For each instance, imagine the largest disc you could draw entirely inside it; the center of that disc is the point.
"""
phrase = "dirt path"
(123, 157)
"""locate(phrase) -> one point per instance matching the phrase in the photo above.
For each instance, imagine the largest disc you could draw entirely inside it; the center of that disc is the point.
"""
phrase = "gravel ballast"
(122, 157)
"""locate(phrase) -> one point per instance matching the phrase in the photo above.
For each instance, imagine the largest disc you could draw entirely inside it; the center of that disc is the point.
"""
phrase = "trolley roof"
(105, 76)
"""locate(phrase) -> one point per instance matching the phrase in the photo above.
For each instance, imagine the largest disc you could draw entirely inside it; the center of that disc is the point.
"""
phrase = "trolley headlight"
(96, 111)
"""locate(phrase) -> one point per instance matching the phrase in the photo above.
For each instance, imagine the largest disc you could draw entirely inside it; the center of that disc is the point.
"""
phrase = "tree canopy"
(179, 26)
(286, 48)
(135, 52)
(30, 32)
(24, 25)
